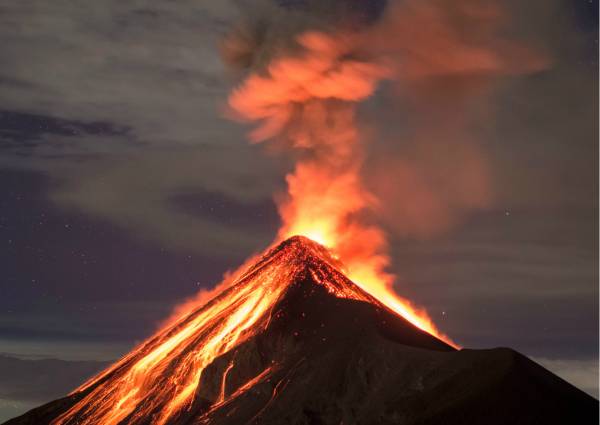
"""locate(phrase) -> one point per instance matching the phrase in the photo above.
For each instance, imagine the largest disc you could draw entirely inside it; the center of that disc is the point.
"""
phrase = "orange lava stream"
(165, 372)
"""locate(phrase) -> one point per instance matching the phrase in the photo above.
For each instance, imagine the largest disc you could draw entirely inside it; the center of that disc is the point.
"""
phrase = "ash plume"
(308, 69)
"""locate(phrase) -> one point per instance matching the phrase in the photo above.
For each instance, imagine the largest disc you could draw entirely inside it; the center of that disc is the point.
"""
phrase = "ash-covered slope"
(322, 352)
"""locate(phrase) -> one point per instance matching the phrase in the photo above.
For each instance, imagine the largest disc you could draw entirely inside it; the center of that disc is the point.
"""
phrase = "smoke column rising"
(302, 93)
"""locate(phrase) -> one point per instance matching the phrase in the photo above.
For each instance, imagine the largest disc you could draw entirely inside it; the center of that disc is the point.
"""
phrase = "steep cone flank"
(293, 341)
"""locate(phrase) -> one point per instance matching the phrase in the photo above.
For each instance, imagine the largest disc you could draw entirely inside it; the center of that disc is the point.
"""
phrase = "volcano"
(293, 341)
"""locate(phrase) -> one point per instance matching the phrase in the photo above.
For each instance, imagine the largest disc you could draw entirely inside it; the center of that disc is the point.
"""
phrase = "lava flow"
(160, 379)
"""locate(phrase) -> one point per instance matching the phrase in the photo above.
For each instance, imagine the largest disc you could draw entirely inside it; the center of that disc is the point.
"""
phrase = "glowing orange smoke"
(308, 101)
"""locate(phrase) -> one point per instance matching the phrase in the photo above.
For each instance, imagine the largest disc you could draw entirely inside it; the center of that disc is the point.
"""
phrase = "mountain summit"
(293, 341)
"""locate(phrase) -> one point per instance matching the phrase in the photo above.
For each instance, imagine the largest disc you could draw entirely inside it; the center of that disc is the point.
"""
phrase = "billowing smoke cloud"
(311, 65)
(306, 76)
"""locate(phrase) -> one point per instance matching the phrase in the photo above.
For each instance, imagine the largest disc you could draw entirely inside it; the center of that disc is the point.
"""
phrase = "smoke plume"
(306, 75)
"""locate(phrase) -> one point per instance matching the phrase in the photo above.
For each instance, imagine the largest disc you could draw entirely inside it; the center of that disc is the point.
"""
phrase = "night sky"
(125, 188)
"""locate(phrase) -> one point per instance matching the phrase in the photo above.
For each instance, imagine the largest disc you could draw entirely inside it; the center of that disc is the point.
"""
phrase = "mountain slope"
(318, 350)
